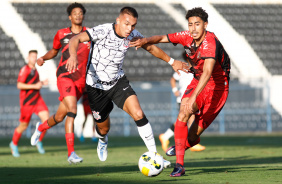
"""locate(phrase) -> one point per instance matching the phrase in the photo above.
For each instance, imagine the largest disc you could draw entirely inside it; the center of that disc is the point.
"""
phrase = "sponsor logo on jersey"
(182, 33)
(66, 40)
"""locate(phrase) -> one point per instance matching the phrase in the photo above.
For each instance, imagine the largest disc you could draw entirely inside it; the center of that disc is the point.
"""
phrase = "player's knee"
(104, 131)
(182, 116)
(138, 115)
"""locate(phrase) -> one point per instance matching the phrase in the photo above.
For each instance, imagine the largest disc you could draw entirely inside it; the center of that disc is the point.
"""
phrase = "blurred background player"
(70, 85)
(30, 102)
(182, 81)
(106, 82)
(87, 112)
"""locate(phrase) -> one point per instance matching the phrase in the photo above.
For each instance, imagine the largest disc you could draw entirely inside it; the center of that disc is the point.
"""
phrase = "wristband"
(174, 89)
(171, 61)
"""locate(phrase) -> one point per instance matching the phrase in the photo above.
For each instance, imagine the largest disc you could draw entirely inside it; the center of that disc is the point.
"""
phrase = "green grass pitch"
(232, 159)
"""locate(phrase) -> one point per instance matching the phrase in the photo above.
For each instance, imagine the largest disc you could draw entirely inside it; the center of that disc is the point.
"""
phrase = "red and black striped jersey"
(61, 41)
(28, 75)
(209, 48)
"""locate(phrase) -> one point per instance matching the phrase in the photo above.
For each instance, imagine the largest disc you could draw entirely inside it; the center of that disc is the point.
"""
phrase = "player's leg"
(196, 147)
(132, 107)
(101, 131)
(43, 115)
(101, 106)
(16, 137)
(50, 122)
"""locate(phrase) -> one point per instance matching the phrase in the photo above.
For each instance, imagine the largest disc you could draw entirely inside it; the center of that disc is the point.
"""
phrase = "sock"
(168, 134)
(189, 145)
(42, 135)
(16, 137)
(44, 126)
(102, 138)
(180, 137)
(146, 133)
(70, 142)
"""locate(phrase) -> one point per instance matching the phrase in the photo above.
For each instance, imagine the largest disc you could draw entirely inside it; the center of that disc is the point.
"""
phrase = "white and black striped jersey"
(106, 57)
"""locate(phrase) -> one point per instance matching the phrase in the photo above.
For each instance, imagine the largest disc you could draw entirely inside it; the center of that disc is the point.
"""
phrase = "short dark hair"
(130, 11)
(75, 5)
(197, 12)
(32, 51)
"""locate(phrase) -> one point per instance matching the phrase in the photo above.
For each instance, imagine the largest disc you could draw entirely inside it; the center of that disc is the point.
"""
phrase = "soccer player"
(183, 81)
(106, 82)
(30, 102)
(208, 91)
(70, 85)
(87, 111)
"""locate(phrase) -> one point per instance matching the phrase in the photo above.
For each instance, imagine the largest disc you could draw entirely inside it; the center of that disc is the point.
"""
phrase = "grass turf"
(227, 160)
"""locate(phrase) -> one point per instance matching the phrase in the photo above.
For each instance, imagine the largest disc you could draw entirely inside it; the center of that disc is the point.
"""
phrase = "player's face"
(197, 28)
(76, 17)
(32, 57)
(125, 25)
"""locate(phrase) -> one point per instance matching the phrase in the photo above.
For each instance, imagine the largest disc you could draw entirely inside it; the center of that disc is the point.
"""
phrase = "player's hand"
(38, 85)
(40, 61)
(137, 42)
(177, 93)
(179, 65)
(188, 105)
(45, 82)
(72, 64)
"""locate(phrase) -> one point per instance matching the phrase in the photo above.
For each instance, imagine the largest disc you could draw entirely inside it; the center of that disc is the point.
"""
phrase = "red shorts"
(86, 108)
(67, 87)
(28, 110)
(210, 103)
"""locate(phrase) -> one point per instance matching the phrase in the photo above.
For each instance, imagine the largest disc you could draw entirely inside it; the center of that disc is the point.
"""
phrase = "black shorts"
(101, 101)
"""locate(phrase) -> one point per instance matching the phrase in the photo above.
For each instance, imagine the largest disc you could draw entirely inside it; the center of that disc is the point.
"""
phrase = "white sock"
(168, 134)
(103, 139)
(146, 133)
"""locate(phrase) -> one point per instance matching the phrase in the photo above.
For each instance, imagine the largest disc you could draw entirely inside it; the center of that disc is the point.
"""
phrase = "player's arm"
(207, 71)
(24, 86)
(139, 42)
(159, 53)
(49, 55)
(173, 86)
(72, 63)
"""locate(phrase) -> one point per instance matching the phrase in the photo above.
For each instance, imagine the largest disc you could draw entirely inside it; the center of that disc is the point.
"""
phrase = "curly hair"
(197, 12)
(130, 11)
(75, 5)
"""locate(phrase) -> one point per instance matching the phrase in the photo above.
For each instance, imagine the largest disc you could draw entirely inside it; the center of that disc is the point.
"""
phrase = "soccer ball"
(151, 164)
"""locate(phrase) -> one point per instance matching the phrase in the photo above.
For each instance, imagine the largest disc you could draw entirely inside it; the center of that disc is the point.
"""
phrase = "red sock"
(180, 137)
(16, 137)
(188, 145)
(70, 142)
(42, 135)
(43, 126)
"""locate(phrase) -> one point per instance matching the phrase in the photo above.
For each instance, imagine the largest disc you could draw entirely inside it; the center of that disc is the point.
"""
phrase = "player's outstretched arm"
(72, 63)
(24, 86)
(140, 42)
(49, 55)
(159, 53)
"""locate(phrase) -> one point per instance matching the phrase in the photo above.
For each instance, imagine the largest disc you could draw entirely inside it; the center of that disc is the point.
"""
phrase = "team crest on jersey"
(126, 42)
(96, 115)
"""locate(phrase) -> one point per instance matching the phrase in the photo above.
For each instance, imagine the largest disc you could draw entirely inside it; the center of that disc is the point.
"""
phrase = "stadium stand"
(261, 26)
(11, 60)
(47, 18)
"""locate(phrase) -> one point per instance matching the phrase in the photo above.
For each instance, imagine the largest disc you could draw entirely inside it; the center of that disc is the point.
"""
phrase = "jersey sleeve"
(180, 37)
(97, 33)
(138, 34)
(209, 48)
(56, 42)
(22, 75)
